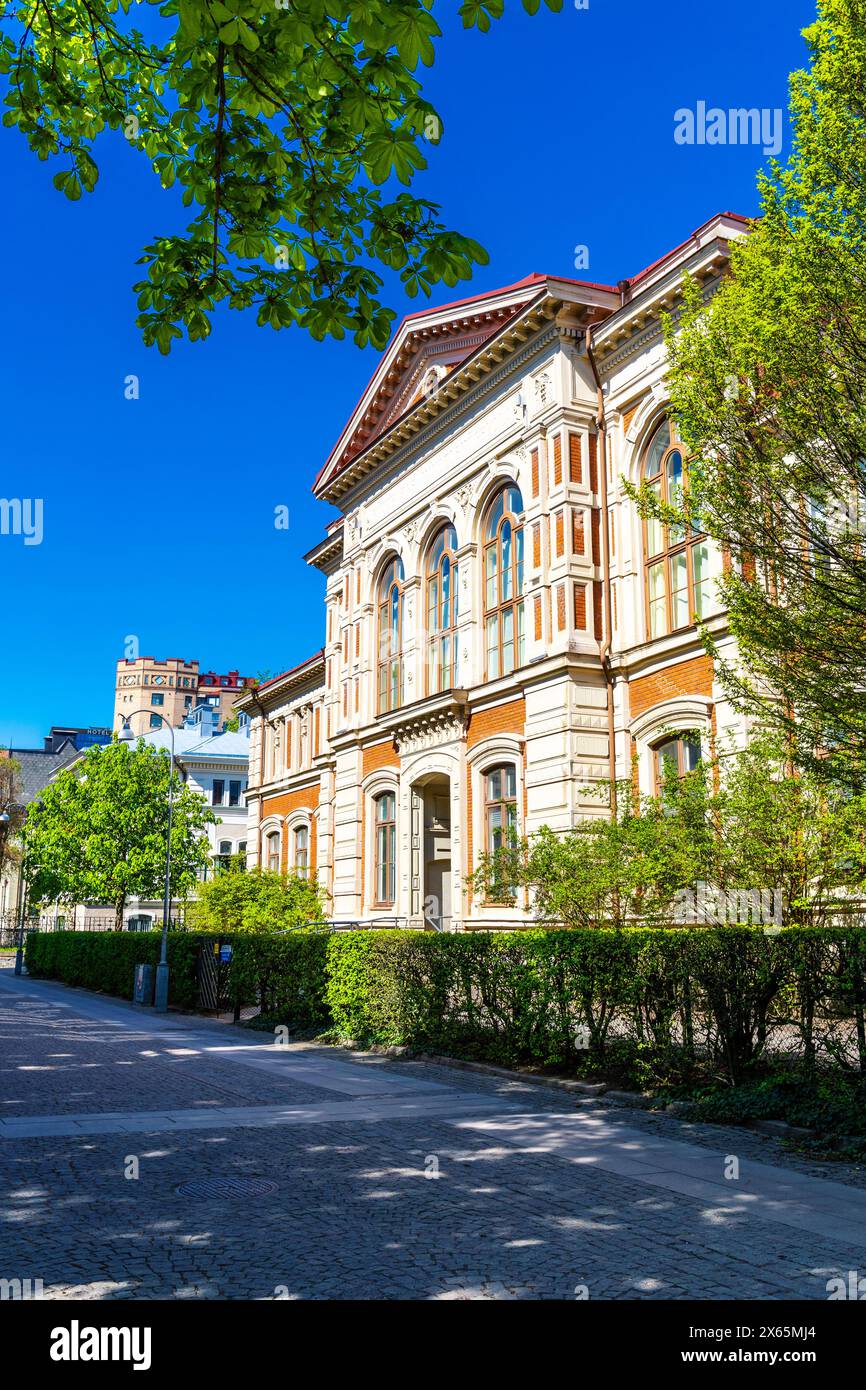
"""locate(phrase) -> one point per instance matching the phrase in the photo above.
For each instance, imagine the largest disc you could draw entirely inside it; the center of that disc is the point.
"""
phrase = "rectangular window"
(701, 574)
(155, 721)
(680, 590)
(655, 536)
(657, 600)
(493, 646)
(217, 792)
(500, 823)
(274, 852)
(234, 793)
(157, 699)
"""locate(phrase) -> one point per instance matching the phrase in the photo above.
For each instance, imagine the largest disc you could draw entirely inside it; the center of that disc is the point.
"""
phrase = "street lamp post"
(21, 905)
(22, 898)
(126, 736)
(5, 818)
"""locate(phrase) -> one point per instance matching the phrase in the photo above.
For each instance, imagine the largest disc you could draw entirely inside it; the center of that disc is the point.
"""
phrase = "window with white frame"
(385, 826)
(504, 636)
(301, 850)
(272, 851)
(390, 637)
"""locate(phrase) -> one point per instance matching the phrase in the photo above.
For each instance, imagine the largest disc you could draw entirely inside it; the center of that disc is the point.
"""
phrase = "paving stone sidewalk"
(387, 1179)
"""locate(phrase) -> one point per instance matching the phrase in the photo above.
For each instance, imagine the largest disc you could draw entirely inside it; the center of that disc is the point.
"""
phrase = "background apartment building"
(502, 631)
(146, 688)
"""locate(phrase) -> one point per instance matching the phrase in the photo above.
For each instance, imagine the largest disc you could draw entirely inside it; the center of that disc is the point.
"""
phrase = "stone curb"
(585, 1088)
(780, 1129)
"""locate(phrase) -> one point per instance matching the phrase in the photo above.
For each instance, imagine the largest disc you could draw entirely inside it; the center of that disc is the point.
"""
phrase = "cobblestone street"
(380, 1178)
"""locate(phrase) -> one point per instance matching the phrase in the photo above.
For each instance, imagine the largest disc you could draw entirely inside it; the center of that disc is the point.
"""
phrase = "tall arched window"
(503, 583)
(273, 851)
(500, 808)
(386, 848)
(391, 637)
(677, 558)
(301, 855)
(442, 612)
(675, 756)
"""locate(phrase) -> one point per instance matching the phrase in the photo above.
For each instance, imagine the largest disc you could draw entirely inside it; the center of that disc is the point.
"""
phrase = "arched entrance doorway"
(432, 845)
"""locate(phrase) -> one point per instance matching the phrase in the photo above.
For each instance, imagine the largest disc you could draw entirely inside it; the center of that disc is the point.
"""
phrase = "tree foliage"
(258, 901)
(10, 789)
(767, 382)
(98, 833)
(292, 128)
(740, 824)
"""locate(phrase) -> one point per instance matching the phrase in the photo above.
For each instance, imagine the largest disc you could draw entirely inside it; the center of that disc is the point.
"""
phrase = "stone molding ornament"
(431, 731)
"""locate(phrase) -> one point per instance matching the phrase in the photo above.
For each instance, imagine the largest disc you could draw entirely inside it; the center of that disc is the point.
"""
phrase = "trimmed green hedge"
(285, 974)
(723, 997)
(106, 961)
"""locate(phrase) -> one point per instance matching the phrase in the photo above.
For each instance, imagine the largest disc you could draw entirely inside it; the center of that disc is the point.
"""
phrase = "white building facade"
(502, 631)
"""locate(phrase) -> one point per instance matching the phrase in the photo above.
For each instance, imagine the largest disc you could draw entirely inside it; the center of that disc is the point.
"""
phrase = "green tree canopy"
(258, 901)
(98, 832)
(769, 387)
(10, 791)
(741, 823)
(293, 129)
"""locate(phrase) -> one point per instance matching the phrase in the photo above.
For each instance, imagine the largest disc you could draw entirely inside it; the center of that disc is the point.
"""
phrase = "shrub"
(659, 1004)
(719, 995)
(285, 974)
(106, 961)
(258, 901)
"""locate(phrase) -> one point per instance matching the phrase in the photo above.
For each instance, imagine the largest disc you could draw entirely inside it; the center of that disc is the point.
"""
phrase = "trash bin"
(143, 985)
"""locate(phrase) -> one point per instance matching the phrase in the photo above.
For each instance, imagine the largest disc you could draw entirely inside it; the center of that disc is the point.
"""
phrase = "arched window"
(503, 583)
(273, 851)
(677, 559)
(442, 612)
(301, 851)
(385, 807)
(391, 637)
(675, 756)
(500, 808)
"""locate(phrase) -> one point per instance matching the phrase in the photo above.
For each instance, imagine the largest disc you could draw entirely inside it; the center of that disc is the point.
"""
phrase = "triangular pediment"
(426, 348)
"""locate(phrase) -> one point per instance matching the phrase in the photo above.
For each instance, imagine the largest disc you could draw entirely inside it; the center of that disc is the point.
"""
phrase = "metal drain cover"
(215, 1188)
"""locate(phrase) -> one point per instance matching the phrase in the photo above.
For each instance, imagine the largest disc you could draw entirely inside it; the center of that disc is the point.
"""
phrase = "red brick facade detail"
(575, 464)
(593, 463)
(580, 606)
(378, 756)
(509, 718)
(560, 607)
(692, 677)
(304, 799)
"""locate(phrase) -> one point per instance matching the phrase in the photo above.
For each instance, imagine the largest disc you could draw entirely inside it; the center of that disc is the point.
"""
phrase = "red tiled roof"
(669, 255)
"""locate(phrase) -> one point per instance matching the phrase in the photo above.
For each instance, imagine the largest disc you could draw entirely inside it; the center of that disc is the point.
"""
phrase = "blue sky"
(158, 513)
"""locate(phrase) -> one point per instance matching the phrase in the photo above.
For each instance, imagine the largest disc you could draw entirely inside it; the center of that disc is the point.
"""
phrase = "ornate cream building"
(502, 631)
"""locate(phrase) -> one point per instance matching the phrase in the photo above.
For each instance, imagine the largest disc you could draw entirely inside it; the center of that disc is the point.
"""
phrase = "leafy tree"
(258, 901)
(740, 823)
(285, 123)
(611, 871)
(788, 832)
(10, 788)
(769, 387)
(98, 833)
